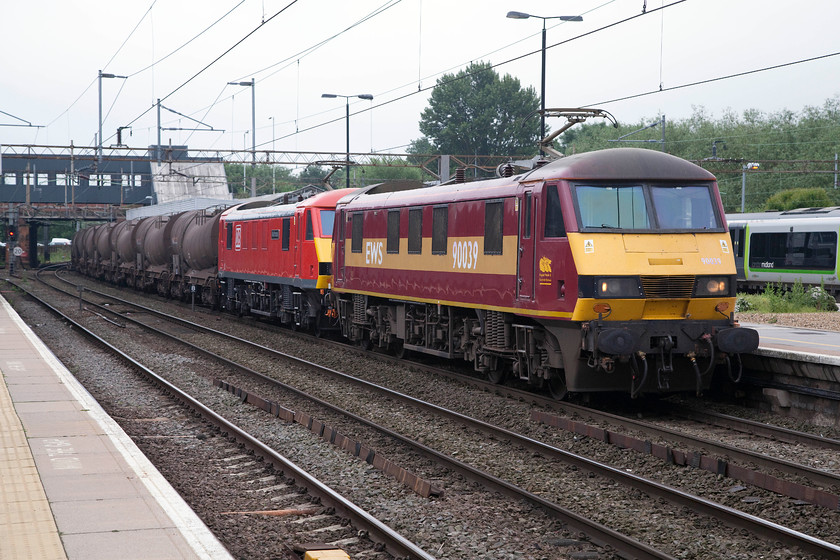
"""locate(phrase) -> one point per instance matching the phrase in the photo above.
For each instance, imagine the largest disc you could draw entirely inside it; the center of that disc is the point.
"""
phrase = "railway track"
(597, 533)
(731, 516)
(257, 468)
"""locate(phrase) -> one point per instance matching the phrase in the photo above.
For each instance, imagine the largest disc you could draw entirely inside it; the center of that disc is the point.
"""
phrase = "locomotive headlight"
(617, 287)
(712, 286)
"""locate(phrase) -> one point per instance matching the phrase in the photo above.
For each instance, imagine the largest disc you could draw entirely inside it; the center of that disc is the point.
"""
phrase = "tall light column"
(522, 15)
(99, 138)
(253, 132)
(367, 96)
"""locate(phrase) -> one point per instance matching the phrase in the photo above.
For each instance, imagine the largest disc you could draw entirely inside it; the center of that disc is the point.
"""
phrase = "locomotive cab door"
(525, 262)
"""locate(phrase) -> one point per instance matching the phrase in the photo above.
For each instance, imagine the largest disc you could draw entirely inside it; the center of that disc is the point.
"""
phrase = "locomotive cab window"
(327, 222)
(527, 219)
(646, 207)
(440, 233)
(554, 226)
(493, 238)
(228, 236)
(309, 235)
(687, 207)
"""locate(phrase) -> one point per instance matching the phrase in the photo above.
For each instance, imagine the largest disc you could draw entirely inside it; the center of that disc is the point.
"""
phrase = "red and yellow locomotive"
(276, 261)
(603, 271)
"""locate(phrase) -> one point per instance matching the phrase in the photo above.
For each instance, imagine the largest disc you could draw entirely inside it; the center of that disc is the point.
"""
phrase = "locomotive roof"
(617, 164)
(251, 211)
(620, 164)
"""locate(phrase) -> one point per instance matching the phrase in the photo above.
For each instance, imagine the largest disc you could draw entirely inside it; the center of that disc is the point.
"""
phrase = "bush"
(743, 304)
(822, 300)
(779, 299)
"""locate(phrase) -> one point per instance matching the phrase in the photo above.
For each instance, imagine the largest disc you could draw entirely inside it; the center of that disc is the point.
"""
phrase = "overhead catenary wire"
(215, 60)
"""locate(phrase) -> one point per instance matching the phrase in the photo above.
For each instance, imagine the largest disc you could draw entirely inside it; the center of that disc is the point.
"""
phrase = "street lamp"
(99, 139)
(253, 132)
(744, 169)
(273, 166)
(522, 15)
(367, 96)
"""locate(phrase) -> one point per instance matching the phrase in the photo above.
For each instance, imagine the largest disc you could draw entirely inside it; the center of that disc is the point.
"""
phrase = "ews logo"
(373, 252)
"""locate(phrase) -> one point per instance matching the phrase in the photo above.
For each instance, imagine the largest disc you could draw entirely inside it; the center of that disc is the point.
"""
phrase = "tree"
(313, 175)
(795, 150)
(475, 112)
(391, 168)
(798, 198)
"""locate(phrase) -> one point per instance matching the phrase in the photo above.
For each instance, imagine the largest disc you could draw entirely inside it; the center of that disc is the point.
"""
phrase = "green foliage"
(778, 299)
(476, 112)
(798, 198)
(810, 137)
(391, 168)
(269, 179)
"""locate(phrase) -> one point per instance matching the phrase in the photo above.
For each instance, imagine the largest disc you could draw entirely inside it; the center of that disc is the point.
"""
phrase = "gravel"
(824, 321)
(469, 523)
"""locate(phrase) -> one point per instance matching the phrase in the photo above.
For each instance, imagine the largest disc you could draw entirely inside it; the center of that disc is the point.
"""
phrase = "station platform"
(72, 484)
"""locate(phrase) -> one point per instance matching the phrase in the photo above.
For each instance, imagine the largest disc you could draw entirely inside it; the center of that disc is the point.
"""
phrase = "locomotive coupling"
(737, 340)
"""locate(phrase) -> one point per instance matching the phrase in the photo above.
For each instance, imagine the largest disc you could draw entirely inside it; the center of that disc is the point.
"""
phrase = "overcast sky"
(394, 50)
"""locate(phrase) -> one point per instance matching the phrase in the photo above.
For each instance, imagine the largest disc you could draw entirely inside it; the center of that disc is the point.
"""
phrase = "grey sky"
(53, 50)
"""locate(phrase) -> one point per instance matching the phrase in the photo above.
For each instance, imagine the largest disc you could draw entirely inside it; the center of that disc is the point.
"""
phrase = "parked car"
(59, 241)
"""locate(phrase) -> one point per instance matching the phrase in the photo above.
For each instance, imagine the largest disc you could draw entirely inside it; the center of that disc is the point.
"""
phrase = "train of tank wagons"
(604, 271)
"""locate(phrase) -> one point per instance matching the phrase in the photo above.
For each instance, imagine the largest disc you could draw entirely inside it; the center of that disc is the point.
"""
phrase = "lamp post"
(253, 132)
(99, 138)
(744, 169)
(273, 166)
(522, 15)
(367, 96)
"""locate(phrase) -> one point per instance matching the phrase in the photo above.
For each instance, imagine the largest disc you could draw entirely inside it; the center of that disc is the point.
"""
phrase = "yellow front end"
(324, 250)
(667, 276)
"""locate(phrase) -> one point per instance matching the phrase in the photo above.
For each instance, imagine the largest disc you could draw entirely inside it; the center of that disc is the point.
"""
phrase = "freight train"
(603, 271)
(782, 248)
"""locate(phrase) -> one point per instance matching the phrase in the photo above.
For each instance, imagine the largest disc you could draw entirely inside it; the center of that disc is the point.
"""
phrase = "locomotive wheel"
(557, 385)
(497, 372)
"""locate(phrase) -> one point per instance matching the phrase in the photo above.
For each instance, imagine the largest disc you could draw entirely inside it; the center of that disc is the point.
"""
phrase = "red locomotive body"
(275, 260)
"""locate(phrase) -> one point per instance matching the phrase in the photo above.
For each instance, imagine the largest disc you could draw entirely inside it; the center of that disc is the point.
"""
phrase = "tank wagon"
(604, 271)
(171, 255)
(783, 248)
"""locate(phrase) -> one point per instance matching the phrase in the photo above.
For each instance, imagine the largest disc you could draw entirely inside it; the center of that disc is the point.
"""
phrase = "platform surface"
(72, 484)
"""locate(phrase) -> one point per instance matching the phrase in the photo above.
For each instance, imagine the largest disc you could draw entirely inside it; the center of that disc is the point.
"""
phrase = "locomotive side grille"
(680, 286)
(494, 330)
(359, 312)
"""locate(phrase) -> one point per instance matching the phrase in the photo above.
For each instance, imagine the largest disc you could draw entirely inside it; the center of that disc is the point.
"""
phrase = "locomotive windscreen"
(646, 207)
(327, 222)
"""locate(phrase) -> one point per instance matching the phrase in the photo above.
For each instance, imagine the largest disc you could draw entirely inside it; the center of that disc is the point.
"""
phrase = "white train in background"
(783, 247)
